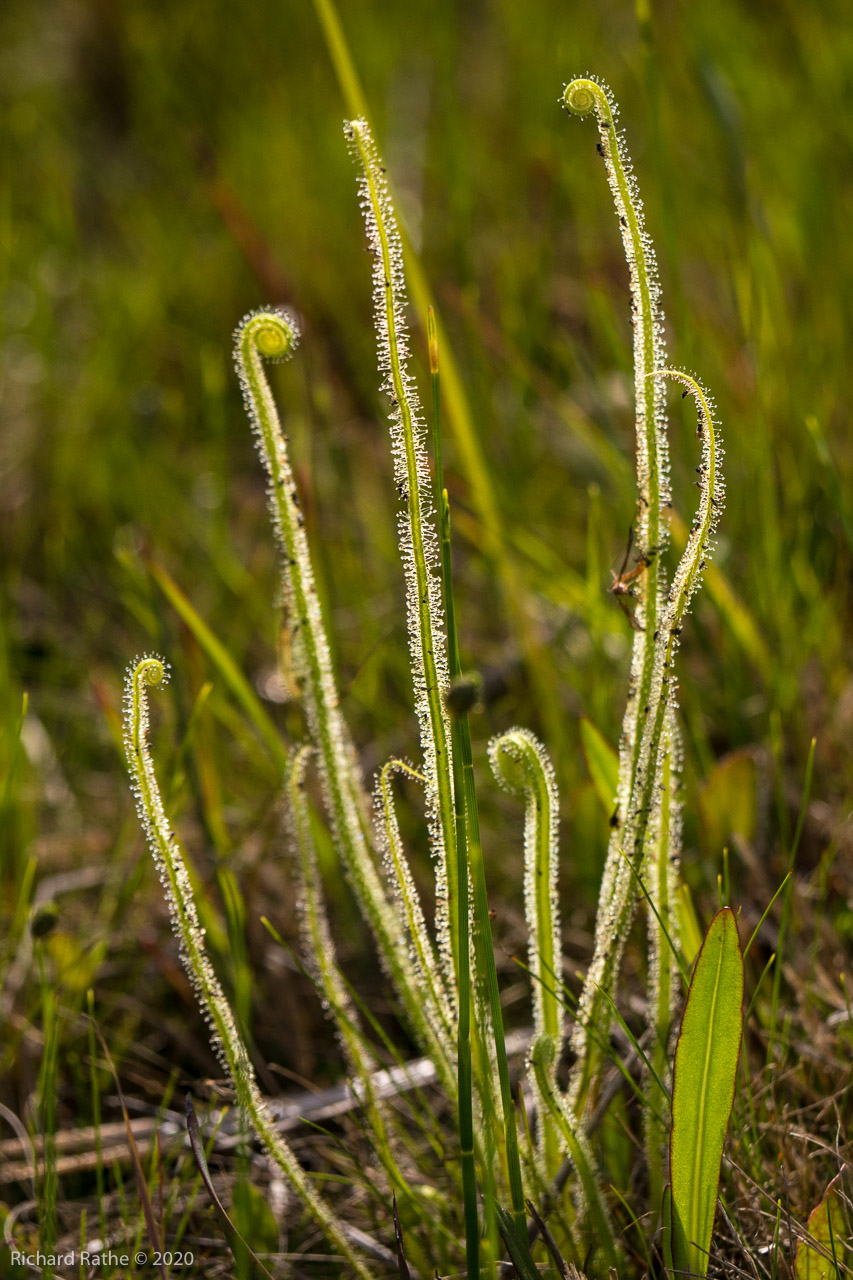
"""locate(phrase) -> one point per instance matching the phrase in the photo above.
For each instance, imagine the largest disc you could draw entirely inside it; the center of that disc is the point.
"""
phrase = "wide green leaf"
(824, 1259)
(703, 1090)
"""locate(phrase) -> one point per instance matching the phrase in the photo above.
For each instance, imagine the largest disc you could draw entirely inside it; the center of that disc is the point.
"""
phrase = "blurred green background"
(168, 168)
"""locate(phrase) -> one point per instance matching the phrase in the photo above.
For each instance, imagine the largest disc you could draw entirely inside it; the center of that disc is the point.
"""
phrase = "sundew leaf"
(703, 1090)
(827, 1228)
(143, 674)
(659, 611)
(602, 760)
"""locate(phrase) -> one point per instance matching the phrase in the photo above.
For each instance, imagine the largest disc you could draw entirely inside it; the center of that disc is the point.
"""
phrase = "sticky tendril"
(147, 672)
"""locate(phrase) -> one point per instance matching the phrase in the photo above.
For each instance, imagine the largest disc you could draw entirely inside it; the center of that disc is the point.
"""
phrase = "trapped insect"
(622, 587)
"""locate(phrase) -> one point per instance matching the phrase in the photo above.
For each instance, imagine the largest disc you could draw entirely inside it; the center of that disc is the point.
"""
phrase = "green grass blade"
(517, 1247)
(703, 1090)
(487, 972)
(666, 1229)
(238, 1246)
(223, 662)
(764, 915)
(786, 900)
(597, 1217)
(602, 760)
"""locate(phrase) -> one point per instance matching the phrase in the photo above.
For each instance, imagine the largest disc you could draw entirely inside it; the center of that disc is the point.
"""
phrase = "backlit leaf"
(703, 1090)
(827, 1227)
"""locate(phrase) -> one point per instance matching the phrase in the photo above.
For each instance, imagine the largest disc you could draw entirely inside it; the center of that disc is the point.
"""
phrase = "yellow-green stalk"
(418, 539)
(230, 1049)
(658, 612)
(271, 334)
(521, 765)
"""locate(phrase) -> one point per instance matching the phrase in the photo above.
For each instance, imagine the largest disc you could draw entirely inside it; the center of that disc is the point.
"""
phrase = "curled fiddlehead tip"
(142, 674)
(149, 669)
(274, 331)
(585, 94)
(509, 755)
(543, 1052)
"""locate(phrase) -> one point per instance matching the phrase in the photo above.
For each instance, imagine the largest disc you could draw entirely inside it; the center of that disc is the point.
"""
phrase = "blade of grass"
(402, 1264)
(155, 1235)
(784, 923)
(635, 1044)
(602, 760)
(758, 985)
(5, 800)
(676, 951)
(95, 1094)
(550, 1243)
(470, 861)
(464, 1065)
(764, 914)
(223, 663)
(241, 1251)
(825, 1226)
(517, 1247)
(46, 1192)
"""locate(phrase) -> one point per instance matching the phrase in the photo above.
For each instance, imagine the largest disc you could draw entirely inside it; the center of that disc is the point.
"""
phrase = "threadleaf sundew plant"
(521, 1188)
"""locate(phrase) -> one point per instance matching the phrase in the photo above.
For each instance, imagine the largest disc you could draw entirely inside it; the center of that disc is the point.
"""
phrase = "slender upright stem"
(470, 862)
(272, 334)
(658, 613)
(226, 1039)
(521, 765)
(461, 923)
(664, 857)
(418, 541)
